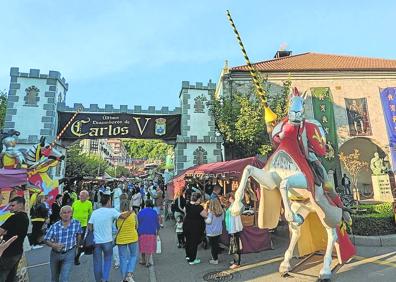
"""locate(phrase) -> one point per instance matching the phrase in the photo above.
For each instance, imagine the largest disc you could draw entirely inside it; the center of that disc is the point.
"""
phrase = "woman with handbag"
(126, 240)
(148, 230)
(100, 223)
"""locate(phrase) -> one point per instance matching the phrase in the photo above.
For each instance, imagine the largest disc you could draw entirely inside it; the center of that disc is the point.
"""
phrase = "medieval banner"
(322, 102)
(358, 118)
(95, 126)
(388, 99)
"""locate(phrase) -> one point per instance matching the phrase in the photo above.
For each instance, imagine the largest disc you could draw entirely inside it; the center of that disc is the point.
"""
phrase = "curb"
(374, 241)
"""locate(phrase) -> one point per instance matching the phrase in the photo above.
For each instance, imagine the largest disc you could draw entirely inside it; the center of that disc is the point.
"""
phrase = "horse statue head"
(43, 153)
(296, 112)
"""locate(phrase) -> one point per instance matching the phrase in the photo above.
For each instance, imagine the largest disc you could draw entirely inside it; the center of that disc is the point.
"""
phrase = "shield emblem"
(160, 126)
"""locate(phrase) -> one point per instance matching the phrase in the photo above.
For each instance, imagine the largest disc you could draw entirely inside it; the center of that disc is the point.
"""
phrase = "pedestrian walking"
(214, 227)
(179, 206)
(101, 223)
(56, 206)
(234, 227)
(148, 231)
(39, 215)
(15, 225)
(136, 200)
(82, 210)
(64, 236)
(194, 227)
(346, 182)
(117, 192)
(126, 240)
(158, 203)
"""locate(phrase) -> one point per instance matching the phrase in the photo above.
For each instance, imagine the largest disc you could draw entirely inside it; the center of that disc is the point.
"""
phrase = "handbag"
(88, 243)
(158, 251)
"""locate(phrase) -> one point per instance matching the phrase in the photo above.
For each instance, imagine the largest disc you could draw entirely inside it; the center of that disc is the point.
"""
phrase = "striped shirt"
(67, 236)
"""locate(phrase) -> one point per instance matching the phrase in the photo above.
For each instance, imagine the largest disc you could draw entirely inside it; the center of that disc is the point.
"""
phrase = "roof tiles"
(322, 62)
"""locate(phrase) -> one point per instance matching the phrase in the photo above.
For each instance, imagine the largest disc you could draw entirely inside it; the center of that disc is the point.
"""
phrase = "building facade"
(351, 84)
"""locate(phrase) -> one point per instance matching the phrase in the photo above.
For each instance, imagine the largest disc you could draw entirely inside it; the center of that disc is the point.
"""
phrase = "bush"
(376, 220)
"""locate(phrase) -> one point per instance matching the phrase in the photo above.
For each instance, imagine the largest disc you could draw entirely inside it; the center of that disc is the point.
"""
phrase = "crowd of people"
(112, 221)
(200, 217)
(115, 222)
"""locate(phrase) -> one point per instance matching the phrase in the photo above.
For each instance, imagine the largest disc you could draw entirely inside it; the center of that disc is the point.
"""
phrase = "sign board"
(382, 188)
(122, 125)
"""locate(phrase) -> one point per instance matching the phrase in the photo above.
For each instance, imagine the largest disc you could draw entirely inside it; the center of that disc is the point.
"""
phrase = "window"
(32, 97)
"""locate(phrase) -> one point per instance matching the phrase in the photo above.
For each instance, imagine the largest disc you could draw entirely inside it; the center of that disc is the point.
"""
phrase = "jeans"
(8, 268)
(61, 265)
(102, 271)
(128, 257)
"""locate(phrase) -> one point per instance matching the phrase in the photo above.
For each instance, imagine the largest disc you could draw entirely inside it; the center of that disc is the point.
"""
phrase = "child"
(179, 232)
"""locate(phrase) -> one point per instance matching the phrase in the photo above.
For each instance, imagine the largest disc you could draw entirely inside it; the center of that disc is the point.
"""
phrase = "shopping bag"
(158, 245)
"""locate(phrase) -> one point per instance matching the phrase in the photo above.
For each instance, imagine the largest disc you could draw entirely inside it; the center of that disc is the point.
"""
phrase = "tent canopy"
(229, 169)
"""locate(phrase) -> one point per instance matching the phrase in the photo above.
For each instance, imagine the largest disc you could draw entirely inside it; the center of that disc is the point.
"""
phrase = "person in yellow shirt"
(126, 240)
(82, 210)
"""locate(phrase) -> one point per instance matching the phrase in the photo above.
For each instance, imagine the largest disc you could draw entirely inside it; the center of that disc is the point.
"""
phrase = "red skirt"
(147, 243)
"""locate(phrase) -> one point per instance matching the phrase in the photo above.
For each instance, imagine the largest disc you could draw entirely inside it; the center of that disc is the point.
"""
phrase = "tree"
(353, 165)
(83, 165)
(147, 149)
(239, 119)
(3, 106)
(118, 171)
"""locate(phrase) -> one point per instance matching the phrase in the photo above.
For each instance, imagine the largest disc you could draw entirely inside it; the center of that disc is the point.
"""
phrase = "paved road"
(371, 264)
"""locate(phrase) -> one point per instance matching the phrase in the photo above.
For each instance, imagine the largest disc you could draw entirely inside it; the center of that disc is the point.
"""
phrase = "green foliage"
(118, 171)
(239, 119)
(79, 164)
(3, 106)
(150, 149)
(375, 220)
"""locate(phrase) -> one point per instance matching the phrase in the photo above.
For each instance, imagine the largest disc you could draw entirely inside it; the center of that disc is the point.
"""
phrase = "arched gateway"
(37, 107)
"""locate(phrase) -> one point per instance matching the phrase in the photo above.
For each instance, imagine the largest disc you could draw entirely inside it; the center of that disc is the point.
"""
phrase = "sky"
(138, 52)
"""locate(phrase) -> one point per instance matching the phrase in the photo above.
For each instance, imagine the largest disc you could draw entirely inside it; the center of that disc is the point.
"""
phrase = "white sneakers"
(212, 261)
(34, 247)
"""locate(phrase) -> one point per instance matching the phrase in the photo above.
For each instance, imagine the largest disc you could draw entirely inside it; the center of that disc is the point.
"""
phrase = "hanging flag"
(322, 102)
(388, 99)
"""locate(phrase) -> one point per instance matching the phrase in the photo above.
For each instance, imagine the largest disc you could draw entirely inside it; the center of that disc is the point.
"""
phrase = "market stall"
(227, 175)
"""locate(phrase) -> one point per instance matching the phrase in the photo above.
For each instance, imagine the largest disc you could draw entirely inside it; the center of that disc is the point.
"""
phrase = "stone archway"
(367, 147)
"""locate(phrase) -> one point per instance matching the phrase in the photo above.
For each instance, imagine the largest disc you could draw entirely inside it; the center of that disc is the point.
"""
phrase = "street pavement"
(371, 264)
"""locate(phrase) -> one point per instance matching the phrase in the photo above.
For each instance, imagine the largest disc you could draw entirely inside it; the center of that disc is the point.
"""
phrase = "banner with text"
(388, 99)
(114, 125)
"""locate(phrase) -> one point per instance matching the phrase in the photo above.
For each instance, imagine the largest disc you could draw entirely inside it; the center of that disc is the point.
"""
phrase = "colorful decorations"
(322, 102)
(388, 99)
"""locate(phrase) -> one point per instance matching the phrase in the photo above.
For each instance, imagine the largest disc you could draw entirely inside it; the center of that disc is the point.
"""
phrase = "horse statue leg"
(289, 184)
(325, 272)
(295, 230)
(264, 178)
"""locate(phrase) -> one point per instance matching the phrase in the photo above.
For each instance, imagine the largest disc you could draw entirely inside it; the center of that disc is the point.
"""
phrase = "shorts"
(158, 210)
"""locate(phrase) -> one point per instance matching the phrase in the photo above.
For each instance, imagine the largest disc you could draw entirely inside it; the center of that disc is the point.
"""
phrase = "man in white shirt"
(101, 223)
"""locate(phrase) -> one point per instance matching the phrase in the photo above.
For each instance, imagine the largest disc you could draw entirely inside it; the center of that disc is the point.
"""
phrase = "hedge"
(374, 220)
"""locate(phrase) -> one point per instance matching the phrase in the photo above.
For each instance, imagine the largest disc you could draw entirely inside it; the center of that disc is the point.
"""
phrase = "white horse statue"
(294, 175)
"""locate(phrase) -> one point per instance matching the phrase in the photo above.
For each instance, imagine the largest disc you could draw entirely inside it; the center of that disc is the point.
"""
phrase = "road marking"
(254, 265)
(376, 260)
(36, 265)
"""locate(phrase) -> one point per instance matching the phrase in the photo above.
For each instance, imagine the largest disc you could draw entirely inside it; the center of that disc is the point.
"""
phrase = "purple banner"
(388, 99)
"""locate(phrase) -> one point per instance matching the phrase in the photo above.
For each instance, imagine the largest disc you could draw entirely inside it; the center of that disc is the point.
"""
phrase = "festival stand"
(227, 174)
